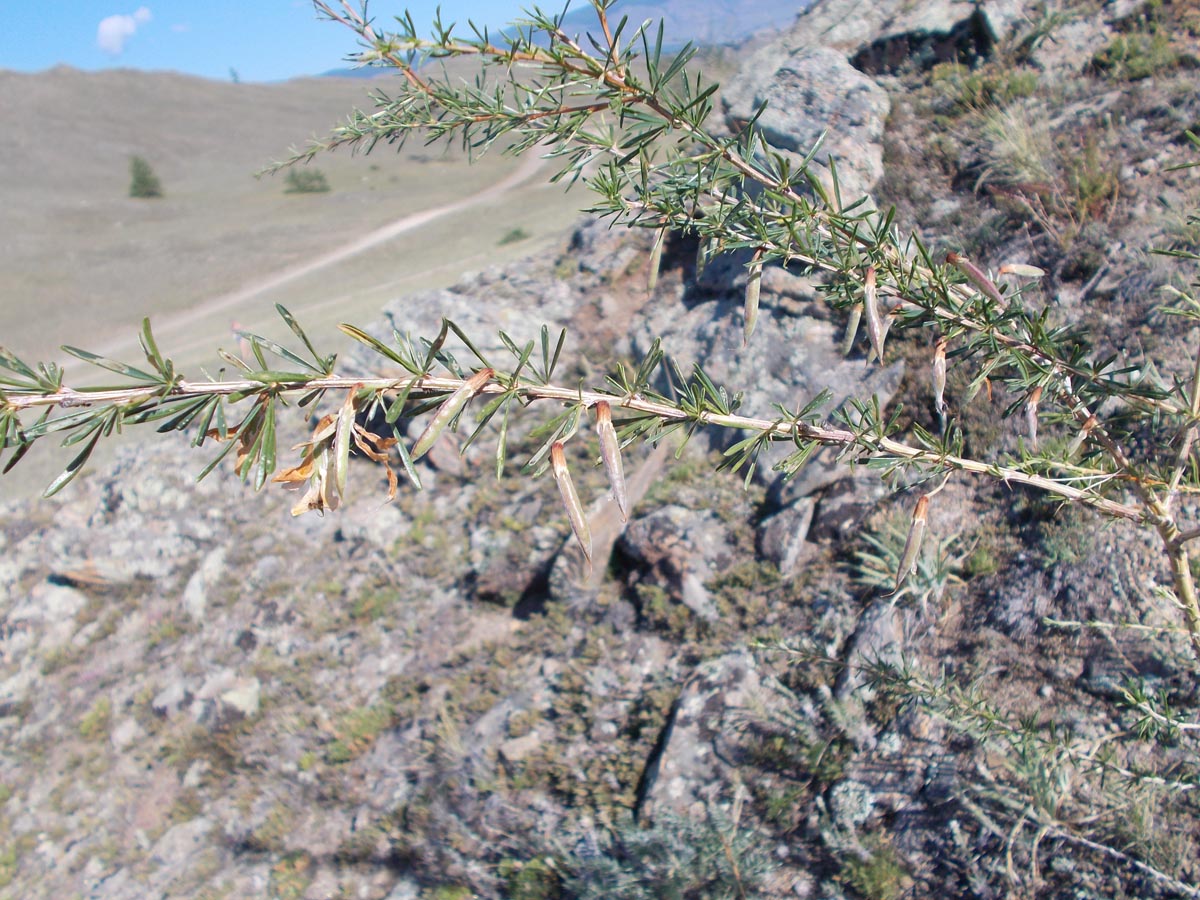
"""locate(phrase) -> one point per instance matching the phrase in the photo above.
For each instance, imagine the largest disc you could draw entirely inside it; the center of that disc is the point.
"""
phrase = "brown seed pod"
(978, 277)
(566, 487)
(610, 454)
(450, 408)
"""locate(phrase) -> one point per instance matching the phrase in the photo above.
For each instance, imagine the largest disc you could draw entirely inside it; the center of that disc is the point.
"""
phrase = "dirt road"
(167, 327)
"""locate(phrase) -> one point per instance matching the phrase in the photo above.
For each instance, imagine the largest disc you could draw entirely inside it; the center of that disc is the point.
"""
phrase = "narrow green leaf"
(280, 351)
(323, 363)
(502, 441)
(274, 376)
(73, 467)
(212, 406)
(266, 456)
(462, 336)
(562, 337)
(150, 347)
(379, 347)
(406, 460)
(485, 416)
(111, 365)
(435, 346)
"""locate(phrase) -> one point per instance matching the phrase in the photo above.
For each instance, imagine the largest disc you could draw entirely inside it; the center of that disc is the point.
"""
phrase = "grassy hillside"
(91, 261)
(82, 262)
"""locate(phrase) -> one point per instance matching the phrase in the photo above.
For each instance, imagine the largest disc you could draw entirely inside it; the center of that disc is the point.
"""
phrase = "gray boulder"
(851, 26)
(680, 550)
(789, 360)
(809, 91)
(700, 751)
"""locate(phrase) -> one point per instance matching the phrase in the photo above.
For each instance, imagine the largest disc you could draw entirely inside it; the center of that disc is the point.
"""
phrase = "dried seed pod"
(912, 544)
(878, 322)
(610, 454)
(939, 376)
(450, 408)
(1031, 415)
(1077, 441)
(978, 277)
(753, 287)
(851, 328)
(566, 487)
(1022, 270)
(655, 260)
(341, 443)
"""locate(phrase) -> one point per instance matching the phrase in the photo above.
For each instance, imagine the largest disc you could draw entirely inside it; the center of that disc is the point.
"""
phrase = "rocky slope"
(203, 697)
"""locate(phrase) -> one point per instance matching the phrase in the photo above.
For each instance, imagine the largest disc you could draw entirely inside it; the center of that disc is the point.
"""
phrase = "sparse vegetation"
(675, 857)
(1137, 55)
(876, 873)
(94, 725)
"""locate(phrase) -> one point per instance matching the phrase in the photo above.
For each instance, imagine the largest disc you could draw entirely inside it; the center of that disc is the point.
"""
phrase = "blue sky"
(263, 40)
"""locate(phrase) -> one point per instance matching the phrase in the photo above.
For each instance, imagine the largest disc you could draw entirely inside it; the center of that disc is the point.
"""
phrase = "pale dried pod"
(1031, 415)
(978, 277)
(939, 376)
(570, 498)
(753, 288)
(341, 442)
(610, 455)
(878, 321)
(852, 328)
(1077, 442)
(912, 543)
(1022, 270)
(450, 408)
(656, 253)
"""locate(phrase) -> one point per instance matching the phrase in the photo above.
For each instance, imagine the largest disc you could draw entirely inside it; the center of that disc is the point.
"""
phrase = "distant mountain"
(703, 22)
(367, 72)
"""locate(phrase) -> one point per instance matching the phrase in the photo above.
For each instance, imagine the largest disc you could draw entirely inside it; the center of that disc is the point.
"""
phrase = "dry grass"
(82, 262)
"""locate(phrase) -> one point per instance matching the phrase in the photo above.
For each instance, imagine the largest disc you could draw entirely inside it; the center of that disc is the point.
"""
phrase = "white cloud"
(114, 31)
(181, 27)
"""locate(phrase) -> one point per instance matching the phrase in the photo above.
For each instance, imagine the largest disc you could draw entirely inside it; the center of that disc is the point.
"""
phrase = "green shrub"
(143, 183)
(514, 236)
(305, 181)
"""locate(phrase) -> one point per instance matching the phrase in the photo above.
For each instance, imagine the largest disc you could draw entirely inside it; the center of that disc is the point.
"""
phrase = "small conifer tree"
(143, 183)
